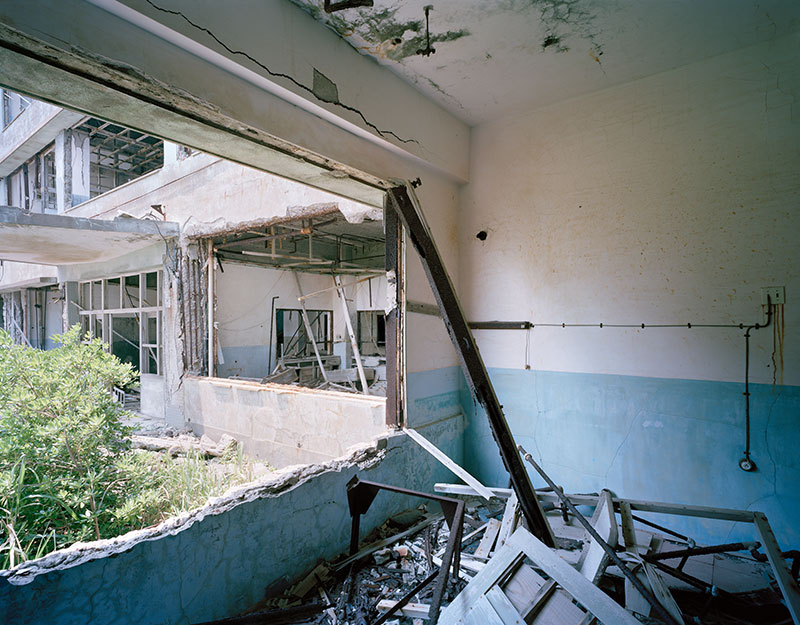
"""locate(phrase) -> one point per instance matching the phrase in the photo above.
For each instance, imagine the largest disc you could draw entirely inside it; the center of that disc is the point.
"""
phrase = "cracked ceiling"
(566, 47)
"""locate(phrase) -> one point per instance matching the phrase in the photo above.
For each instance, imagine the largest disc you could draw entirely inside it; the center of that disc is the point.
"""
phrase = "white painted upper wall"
(671, 199)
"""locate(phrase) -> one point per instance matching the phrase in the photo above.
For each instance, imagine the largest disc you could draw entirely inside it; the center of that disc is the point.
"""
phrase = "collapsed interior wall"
(218, 561)
(669, 200)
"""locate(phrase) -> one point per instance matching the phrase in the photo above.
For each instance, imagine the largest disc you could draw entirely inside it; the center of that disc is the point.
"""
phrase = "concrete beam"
(33, 283)
(190, 89)
(62, 240)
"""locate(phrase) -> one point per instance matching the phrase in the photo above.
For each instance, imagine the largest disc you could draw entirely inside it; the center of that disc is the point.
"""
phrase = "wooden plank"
(407, 206)
(467, 491)
(446, 461)
(725, 514)
(525, 589)
(487, 542)
(503, 562)
(788, 586)
(628, 529)
(586, 593)
(559, 610)
(337, 282)
(508, 525)
(594, 559)
(482, 613)
(307, 325)
(634, 600)
(505, 610)
(411, 610)
(662, 593)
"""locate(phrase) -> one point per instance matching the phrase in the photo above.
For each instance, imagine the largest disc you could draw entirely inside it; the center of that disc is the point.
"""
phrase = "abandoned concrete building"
(248, 311)
(391, 241)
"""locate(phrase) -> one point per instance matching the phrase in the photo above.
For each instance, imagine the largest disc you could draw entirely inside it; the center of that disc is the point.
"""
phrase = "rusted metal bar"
(471, 362)
(361, 494)
(699, 551)
(394, 317)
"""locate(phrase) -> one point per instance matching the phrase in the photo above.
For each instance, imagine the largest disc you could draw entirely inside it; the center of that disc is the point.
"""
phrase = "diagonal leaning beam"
(470, 358)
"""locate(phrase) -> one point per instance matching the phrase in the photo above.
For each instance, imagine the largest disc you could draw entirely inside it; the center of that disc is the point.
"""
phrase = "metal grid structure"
(319, 245)
(119, 154)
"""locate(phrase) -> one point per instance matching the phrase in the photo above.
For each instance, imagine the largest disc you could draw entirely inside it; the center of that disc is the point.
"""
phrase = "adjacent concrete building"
(169, 255)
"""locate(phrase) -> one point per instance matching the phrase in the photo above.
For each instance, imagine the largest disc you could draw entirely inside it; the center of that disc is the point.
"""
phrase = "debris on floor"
(622, 569)
(223, 456)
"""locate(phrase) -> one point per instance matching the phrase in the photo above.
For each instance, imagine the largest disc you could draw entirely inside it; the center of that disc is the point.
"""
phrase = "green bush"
(67, 471)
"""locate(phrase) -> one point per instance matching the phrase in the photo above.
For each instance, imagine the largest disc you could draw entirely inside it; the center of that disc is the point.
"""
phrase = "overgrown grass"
(67, 470)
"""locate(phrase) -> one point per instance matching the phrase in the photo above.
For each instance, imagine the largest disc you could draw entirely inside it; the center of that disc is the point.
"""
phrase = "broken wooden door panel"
(469, 357)
(509, 523)
(480, 603)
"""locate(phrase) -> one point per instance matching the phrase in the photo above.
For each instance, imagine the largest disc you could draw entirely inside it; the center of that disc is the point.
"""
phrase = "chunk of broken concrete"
(227, 444)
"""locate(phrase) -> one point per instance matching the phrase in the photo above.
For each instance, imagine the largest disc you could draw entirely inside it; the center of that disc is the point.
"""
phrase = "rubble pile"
(396, 559)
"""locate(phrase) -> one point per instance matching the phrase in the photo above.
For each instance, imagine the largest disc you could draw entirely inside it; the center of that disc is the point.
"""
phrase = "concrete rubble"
(361, 589)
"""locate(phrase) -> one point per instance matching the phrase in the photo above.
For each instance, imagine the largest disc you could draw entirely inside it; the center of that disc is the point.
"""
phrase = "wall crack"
(292, 79)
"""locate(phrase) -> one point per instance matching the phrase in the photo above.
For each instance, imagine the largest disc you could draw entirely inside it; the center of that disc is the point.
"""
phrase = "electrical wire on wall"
(778, 329)
(772, 310)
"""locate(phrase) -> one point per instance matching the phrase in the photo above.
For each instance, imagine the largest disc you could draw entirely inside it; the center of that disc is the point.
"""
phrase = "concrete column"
(71, 314)
(81, 167)
(171, 152)
(63, 158)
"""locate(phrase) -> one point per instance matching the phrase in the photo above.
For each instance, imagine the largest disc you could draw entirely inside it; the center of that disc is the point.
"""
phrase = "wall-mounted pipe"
(746, 463)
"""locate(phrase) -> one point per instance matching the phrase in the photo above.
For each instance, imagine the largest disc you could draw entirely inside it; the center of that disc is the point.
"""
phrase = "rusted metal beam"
(394, 318)
(361, 494)
(471, 362)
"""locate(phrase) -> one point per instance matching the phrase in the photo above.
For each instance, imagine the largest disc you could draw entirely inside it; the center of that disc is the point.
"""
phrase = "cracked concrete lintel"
(353, 213)
(323, 89)
(130, 81)
(363, 456)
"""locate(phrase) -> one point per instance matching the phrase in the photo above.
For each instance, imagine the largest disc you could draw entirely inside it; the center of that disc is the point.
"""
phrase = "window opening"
(296, 264)
(118, 155)
(372, 332)
(13, 105)
(125, 312)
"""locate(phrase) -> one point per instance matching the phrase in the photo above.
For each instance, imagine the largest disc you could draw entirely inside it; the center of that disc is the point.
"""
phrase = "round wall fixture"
(746, 464)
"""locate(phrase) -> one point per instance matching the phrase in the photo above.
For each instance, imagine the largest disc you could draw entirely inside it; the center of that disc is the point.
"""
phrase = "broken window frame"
(98, 310)
(371, 320)
(10, 98)
(47, 180)
(316, 316)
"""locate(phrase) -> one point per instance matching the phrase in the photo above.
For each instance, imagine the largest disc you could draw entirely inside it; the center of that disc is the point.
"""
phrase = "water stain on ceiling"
(493, 57)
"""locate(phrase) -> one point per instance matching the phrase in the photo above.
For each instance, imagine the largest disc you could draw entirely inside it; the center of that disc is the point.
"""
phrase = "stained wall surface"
(670, 200)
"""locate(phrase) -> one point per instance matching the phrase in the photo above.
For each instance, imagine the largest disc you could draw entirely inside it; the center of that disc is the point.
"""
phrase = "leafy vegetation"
(67, 470)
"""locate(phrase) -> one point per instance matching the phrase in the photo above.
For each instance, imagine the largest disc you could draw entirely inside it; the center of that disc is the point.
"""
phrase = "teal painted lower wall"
(652, 438)
(433, 395)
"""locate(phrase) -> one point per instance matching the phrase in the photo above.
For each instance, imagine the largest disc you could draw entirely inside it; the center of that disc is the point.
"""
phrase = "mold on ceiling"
(566, 48)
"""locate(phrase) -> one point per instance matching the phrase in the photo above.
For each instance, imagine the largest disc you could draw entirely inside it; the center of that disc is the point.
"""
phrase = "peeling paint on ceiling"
(485, 49)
